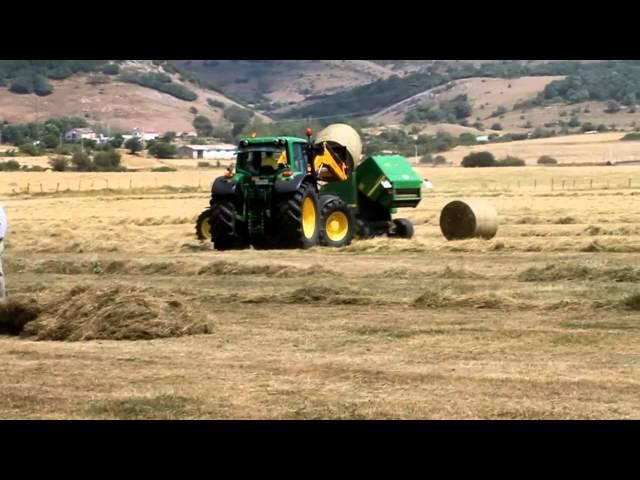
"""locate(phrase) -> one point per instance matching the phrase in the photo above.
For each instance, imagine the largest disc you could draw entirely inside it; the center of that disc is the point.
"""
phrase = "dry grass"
(112, 311)
(540, 322)
(596, 148)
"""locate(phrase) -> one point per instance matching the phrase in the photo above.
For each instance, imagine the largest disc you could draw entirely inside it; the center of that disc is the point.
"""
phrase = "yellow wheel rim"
(337, 226)
(205, 228)
(308, 217)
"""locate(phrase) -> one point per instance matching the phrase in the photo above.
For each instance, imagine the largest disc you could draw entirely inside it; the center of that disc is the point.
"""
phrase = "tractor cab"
(268, 156)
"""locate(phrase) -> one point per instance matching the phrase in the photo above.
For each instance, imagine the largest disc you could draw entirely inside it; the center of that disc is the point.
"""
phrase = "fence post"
(535, 183)
(629, 183)
(552, 184)
(57, 187)
(574, 184)
(562, 184)
(40, 188)
(591, 183)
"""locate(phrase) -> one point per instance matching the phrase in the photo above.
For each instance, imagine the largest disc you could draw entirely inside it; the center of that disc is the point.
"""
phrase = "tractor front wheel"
(203, 225)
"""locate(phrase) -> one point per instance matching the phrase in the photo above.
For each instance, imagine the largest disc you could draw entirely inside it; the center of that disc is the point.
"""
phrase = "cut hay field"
(137, 319)
(568, 149)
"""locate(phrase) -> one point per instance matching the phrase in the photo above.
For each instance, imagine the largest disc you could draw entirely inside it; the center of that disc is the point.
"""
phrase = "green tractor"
(290, 192)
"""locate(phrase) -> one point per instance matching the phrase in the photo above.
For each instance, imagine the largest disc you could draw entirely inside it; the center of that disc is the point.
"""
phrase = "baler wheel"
(337, 226)
(403, 228)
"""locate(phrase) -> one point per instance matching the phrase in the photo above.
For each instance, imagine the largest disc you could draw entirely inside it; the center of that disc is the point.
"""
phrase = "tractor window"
(299, 157)
(262, 159)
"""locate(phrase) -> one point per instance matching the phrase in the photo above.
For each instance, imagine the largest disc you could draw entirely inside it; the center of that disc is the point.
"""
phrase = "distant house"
(76, 134)
(222, 151)
(482, 138)
(145, 135)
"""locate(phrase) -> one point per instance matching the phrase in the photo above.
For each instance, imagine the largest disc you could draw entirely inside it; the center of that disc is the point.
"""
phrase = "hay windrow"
(444, 299)
(312, 295)
(113, 312)
(15, 313)
(128, 267)
(222, 267)
(569, 271)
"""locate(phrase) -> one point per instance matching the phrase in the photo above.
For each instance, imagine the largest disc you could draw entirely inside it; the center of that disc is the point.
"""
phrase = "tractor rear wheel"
(298, 218)
(337, 225)
(226, 230)
(203, 225)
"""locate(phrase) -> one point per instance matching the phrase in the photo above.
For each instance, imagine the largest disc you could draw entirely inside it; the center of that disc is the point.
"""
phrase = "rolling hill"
(119, 104)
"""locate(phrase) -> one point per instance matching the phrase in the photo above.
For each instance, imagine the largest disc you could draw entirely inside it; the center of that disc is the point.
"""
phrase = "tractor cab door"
(299, 160)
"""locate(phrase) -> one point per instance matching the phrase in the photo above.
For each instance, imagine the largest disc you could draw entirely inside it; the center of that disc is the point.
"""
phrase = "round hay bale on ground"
(113, 312)
(460, 220)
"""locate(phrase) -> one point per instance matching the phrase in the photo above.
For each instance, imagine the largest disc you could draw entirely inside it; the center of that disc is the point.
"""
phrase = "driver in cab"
(269, 159)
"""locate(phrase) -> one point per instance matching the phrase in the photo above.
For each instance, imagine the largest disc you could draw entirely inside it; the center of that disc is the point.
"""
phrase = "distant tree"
(574, 122)
(41, 86)
(88, 144)
(215, 103)
(510, 161)
(612, 107)
(134, 145)
(169, 137)
(107, 161)
(163, 150)
(466, 138)
(547, 160)
(81, 161)
(59, 163)
(496, 126)
(588, 127)
(479, 159)
(22, 85)
(240, 117)
(428, 159)
(111, 69)
(9, 166)
(203, 126)
(52, 129)
(50, 141)
(30, 149)
(193, 110)
(117, 141)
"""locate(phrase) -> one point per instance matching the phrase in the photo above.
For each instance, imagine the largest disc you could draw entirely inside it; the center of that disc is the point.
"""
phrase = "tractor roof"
(274, 139)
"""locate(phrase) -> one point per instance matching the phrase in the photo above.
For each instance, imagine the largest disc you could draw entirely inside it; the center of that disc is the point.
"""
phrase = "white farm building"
(222, 151)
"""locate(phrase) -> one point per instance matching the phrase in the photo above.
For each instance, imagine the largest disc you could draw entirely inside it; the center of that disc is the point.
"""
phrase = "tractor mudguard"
(292, 185)
(221, 187)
